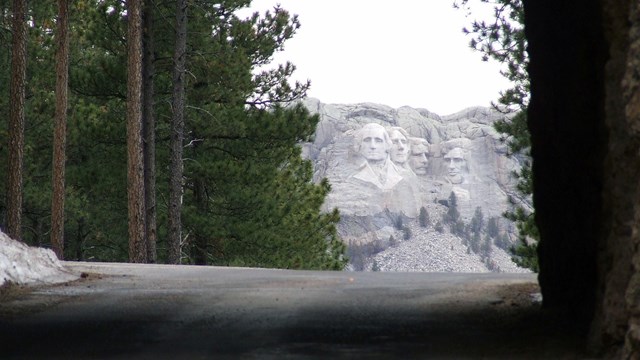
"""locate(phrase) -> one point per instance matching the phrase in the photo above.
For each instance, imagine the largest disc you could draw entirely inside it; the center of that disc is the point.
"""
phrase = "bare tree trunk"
(60, 131)
(176, 168)
(149, 132)
(16, 120)
(135, 163)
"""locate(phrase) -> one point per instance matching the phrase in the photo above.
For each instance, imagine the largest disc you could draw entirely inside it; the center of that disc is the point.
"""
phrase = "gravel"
(431, 251)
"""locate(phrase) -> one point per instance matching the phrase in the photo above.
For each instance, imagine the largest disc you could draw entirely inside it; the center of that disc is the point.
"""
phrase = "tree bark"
(149, 124)
(177, 135)
(135, 164)
(16, 120)
(60, 130)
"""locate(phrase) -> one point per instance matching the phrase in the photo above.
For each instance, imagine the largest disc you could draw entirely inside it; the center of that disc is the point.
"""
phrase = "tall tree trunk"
(60, 131)
(16, 119)
(135, 164)
(177, 135)
(149, 131)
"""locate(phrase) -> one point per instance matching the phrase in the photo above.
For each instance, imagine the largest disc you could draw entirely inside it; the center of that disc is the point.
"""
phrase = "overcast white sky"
(405, 52)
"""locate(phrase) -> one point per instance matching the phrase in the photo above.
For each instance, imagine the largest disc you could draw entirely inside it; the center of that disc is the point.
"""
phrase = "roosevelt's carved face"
(456, 165)
(418, 159)
(374, 145)
(399, 147)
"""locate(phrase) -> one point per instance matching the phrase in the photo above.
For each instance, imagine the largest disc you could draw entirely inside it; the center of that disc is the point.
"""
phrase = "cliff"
(387, 164)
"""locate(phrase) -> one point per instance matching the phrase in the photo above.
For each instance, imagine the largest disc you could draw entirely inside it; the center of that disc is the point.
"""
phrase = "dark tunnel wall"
(566, 49)
(584, 118)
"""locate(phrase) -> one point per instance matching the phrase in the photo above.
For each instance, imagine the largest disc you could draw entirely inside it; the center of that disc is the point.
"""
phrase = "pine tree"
(149, 129)
(264, 210)
(460, 229)
(399, 223)
(487, 246)
(407, 234)
(452, 215)
(176, 166)
(526, 256)
(60, 132)
(477, 222)
(135, 162)
(492, 227)
(375, 267)
(17, 120)
(423, 217)
(248, 196)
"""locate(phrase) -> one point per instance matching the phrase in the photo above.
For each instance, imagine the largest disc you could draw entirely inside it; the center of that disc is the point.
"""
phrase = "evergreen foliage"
(407, 234)
(360, 255)
(475, 242)
(492, 227)
(525, 251)
(248, 197)
(487, 246)
(477, 222)
(459, 228)
(452, 218)
(503, 241)
(452, 215)
(375, 267)
(439, 227)
(399, 222)
(392, 241)
(423, 217)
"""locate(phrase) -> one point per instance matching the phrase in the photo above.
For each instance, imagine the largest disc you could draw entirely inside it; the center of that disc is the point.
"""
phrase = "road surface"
(127, 311)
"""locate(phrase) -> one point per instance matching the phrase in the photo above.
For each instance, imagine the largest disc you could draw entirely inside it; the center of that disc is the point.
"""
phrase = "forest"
(158, 132)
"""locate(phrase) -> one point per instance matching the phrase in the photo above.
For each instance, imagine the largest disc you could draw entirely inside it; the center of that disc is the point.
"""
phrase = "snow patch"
(22, 264)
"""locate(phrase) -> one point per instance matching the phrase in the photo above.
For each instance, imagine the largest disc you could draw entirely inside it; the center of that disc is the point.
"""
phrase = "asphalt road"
(126, 311)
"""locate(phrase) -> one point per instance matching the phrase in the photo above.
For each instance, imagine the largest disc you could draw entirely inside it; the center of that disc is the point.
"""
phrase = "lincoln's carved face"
(374, 145)
(418, 159)
(456, 165)
(399, 147)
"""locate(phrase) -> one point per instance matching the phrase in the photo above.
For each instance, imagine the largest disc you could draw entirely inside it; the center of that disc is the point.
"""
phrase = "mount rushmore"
(384, 164)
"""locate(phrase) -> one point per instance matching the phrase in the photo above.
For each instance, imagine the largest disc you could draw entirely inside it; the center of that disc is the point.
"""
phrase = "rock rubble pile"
(431, 251)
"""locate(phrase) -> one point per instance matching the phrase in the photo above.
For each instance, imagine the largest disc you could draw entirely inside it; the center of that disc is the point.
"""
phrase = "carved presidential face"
(456, 165)
(374, 145)
(418, 159)
(399, 147)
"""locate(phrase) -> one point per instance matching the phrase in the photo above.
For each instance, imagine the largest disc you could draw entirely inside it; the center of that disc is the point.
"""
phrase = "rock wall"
(424, 158)
(618, 312)
(567, 132)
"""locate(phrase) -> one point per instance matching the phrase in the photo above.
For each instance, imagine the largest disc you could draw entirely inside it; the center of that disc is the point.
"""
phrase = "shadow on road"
(267, 314)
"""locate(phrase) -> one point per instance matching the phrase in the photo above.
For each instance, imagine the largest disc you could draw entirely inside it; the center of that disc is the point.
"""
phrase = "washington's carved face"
(418, 159)
(399, 147)
(456, 165)
(373, 146)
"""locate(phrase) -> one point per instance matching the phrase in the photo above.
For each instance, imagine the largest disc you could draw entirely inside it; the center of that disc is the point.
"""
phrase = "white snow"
(22, 264)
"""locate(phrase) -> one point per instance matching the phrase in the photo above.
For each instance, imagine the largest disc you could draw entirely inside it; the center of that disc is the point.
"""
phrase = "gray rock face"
(385, 163)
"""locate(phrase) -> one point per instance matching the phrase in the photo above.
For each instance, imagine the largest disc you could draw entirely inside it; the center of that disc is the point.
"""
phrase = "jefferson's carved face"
(456, 165)
(399, 147)
(419, 160)
(373, 146)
